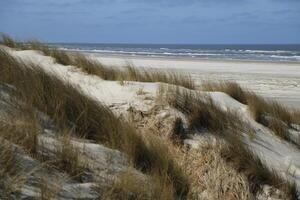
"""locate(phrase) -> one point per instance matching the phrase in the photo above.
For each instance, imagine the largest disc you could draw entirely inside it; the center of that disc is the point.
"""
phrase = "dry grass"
(243, 160)
(47, 190)
(129, 72)
(231, 88)
(273, 115)
(270, 113)
(21, 127)
(68, 157)
(130, 185)
(203, 113)
(8, 41)
(68, 107)
(11, 175)
(60, 56)
(151, 75)
(162, 163)
(257, 104)
(178, 131)
(94, 67)
(214, 178)
(260, 107)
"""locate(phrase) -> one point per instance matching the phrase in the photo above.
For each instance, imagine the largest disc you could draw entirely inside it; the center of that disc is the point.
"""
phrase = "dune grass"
(8, 41)
(47, 191)
(94, 67)
(86, 117)
(129, 72)
(271, 114)
(20, 126)
(231, 88)
(243, 160)
(129, 185)
(202, 112)
(214, 175)
(11, 175)
(68, 157)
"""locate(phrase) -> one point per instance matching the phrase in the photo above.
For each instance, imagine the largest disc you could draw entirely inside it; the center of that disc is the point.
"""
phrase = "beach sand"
(275, 80)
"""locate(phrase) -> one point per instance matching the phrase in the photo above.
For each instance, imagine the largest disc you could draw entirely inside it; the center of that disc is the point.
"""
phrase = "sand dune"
(279, 81)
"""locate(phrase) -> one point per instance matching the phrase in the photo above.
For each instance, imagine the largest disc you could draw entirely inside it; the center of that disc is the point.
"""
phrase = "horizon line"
(134, 43)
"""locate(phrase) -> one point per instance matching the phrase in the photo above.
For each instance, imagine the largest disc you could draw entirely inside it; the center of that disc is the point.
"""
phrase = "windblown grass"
(214, 175)
(21, 127)
(271, 114)
(94, 67)
(203, 113)
(231, 88)
(61, 57)
(130, 185)
(150, 75)
(243, 160)
(68, 157)
(8, 41)
(86, 117)
(11, 176)
(47, 191)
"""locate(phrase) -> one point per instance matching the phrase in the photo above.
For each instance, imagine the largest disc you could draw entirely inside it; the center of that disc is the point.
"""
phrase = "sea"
(260, 52)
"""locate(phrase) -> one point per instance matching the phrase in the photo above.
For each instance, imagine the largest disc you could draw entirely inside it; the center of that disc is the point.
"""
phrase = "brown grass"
(260, 106)
(231, 88)
(151, 75)
(203, 113)
(163, 164)
(47, 190)
(21, 127)
(11, 175)
(214, 178)
(94, 67)
(68, 107)
(243, 160)
(68, 157)
(8, 41)
(261, 109)
(178, 131)
(130, 185)
(129, 72)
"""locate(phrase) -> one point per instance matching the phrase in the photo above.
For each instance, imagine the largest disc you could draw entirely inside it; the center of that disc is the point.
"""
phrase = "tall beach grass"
(70, 108)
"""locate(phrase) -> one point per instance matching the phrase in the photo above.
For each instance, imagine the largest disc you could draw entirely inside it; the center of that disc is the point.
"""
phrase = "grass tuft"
(12, 177)
(68, 157)
(8, 41)
(23, 130)
(270, 113)
(131, 186)
(231, 88)
(202, 113)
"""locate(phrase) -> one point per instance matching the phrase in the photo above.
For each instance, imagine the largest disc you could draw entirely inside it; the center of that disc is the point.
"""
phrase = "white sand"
(279, 81)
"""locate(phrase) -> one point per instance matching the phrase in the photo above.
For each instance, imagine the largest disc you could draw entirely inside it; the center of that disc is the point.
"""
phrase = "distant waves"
(227, 52)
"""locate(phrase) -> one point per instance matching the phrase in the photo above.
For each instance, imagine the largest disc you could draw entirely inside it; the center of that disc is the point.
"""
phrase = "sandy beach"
(275, 80)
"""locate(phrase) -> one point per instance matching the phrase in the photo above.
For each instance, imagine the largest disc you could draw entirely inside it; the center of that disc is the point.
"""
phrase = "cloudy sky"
(153, 21)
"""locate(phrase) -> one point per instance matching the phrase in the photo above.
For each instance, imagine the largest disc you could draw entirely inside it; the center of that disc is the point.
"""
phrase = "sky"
(153, 21)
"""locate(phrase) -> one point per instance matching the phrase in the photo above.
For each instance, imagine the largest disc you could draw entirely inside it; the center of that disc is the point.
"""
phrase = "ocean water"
(289, 53)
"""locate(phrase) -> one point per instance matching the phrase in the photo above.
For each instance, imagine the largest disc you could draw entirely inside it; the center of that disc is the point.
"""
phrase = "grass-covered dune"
(173, 140)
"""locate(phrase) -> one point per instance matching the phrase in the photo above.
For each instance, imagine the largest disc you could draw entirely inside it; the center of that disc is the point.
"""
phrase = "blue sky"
(153, 21)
